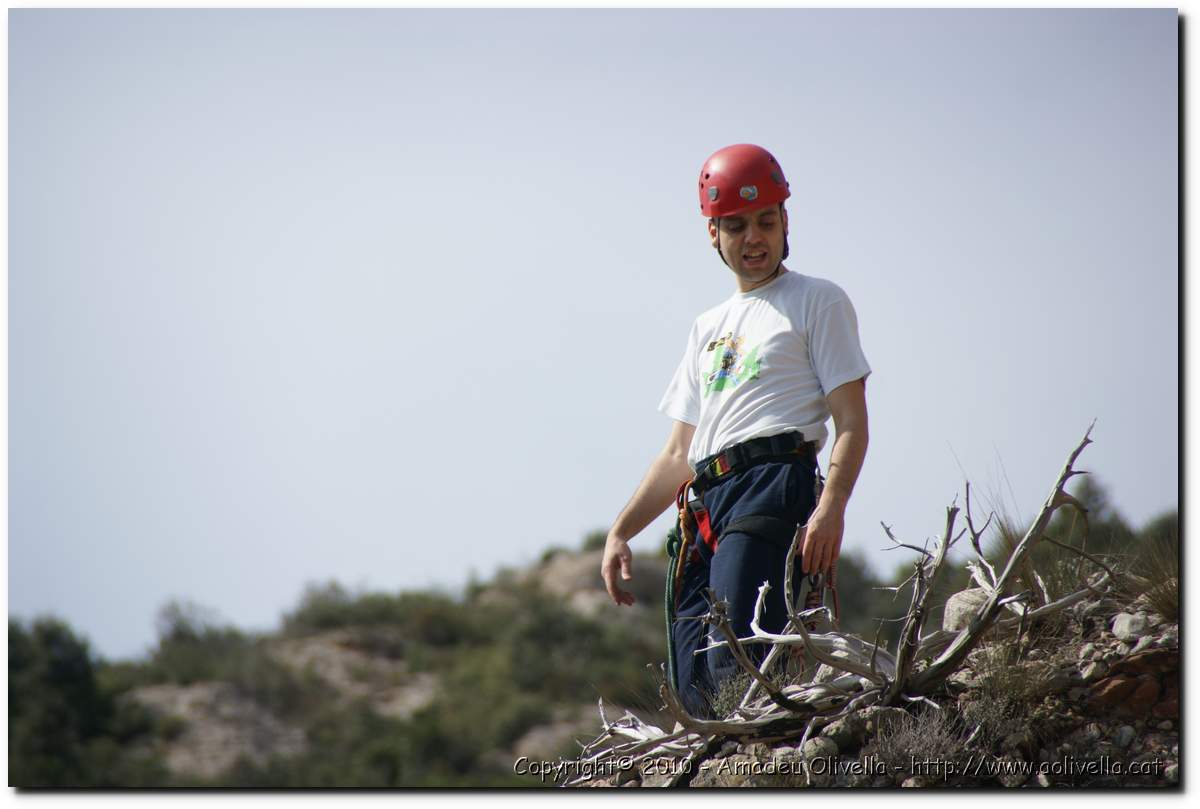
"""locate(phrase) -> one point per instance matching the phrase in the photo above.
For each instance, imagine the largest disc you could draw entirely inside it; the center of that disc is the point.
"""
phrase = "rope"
(679, 543)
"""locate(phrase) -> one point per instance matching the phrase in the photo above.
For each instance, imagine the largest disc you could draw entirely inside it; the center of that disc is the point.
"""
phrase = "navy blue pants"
(742, 562)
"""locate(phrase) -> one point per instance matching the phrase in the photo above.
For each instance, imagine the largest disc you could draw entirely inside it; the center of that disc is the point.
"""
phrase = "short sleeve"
(682, 399)
(833, 346)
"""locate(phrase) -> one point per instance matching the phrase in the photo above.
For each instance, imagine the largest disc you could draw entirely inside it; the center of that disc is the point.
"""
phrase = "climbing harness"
(693, 524)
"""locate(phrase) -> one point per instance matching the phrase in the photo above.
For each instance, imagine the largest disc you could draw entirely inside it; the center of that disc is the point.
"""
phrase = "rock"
(734, 771)
(1086, 651)
(218, 724)
(913, 781)
(1043, 780)
(1172, 773)
(655, 776)
(963, 678)
(1124, 736)
(1058, 680)
(1143, 698)
(1022, 740)
(877, 718)
(1168, 707)
(848, 733)
(1143, 642)
(1123, 648)
(706, 776)
(758, 750)
(1010, 772)
(962, 607)
(1111, 691)
(1093, 671)
(819, 747)
(1165, 725)
(1150, 661)
(1130, 627)
(1076, 694)
(627, 776)
(343, 659)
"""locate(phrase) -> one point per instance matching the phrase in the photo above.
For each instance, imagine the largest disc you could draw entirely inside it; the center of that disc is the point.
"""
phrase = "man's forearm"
(654, 494)
(845, 462)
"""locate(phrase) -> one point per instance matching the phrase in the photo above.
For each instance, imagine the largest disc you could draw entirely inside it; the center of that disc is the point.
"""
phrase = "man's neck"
(780, 270)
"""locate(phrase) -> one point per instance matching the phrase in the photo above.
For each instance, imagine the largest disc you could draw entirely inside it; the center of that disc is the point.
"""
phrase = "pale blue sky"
(389, 296)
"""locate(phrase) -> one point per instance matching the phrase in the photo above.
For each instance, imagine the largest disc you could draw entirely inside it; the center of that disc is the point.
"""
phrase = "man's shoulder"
(814, 290)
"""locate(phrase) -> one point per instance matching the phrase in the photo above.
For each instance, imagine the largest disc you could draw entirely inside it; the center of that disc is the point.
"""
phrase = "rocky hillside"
(408, 669)
(1090, 701)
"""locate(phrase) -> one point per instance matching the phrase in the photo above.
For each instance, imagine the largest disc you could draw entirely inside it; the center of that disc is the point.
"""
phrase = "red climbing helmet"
(740, 178)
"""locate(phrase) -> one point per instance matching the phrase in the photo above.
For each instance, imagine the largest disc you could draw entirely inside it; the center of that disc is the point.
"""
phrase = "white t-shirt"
(762, 363)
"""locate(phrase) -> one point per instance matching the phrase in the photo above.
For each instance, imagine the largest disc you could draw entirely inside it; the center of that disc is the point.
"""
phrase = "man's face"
(751, 242)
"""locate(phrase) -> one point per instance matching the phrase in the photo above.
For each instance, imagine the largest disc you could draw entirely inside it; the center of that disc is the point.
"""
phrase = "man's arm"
(657, 490)
(823, 539)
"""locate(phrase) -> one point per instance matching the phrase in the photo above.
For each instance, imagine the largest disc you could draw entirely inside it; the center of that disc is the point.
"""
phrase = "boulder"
(848, 733)
(877, 718)
(1143, 698)
(819, 747)
(962, 607)
(1111, 691)
(1130, 627)
(1124, 736)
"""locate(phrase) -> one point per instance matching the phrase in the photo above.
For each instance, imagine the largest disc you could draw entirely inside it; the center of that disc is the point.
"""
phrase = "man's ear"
(783, 213)
(713, 234)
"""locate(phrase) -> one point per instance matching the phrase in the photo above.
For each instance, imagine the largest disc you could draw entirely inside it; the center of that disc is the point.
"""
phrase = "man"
(761, 374)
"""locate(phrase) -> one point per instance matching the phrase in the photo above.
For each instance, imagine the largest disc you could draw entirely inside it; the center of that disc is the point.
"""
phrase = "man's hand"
(822, 542)
(821, 539)
(617, 557)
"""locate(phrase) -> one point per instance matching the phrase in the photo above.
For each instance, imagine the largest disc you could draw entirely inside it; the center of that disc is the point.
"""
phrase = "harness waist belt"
(784, 447)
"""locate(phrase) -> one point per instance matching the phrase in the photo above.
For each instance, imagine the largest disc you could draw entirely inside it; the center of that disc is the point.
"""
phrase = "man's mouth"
(755, 257)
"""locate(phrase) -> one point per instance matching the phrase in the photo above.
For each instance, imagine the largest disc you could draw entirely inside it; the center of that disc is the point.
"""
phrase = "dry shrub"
(1155, 574)
(731, 690)
(1008, 690)
(930, 739)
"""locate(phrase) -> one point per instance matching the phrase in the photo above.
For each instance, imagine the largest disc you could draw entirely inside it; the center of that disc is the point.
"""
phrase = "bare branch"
(969, 637)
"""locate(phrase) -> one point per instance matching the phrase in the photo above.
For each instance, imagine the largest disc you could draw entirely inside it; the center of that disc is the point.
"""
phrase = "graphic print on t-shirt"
(731, 366)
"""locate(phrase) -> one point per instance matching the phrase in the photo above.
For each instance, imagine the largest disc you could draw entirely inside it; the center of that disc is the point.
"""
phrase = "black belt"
(782, 448)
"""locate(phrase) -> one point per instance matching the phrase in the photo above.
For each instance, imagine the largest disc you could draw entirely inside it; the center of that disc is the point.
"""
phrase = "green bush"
(594, 540)
(65, 726)
(431, 618)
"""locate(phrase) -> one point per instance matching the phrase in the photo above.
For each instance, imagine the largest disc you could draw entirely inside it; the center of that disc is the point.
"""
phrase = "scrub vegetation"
(505, 658)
